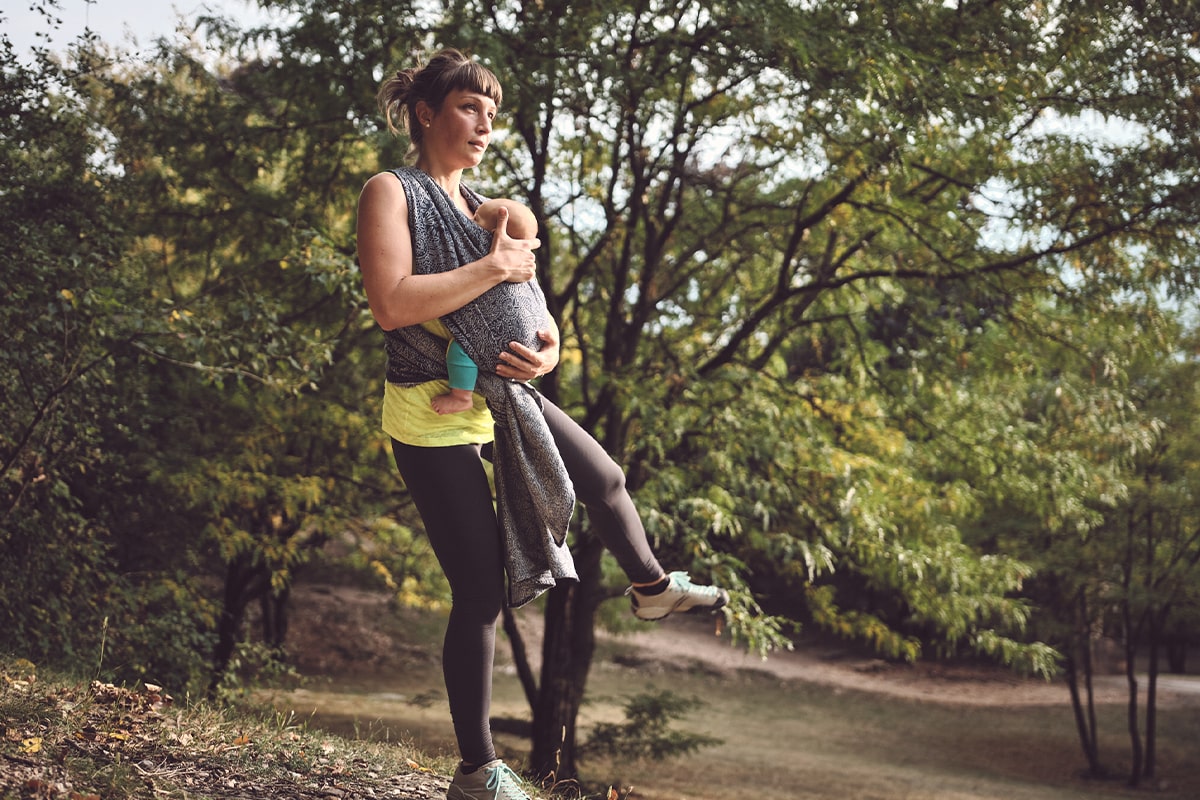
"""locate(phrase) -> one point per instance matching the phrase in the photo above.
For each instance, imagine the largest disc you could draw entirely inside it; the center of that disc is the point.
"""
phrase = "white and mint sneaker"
(493, 781)
(680, 595)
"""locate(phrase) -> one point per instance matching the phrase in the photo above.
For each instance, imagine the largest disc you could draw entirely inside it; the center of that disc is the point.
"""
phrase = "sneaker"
(493, 781)
(680, 595)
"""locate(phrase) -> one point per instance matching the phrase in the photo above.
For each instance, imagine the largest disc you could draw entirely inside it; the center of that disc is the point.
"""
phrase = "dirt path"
(843, 667)
(340, 630)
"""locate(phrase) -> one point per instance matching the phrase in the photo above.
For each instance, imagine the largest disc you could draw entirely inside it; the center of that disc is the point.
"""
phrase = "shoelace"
(505, 783)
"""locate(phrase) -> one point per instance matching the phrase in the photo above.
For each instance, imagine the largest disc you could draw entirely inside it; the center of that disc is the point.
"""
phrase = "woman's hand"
(520, 363)
(513, 257)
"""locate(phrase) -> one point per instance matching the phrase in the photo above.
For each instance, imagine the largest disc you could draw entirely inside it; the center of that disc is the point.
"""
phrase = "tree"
(236, 227)
(70, 310)
(174, 220)
(730, 202)
(813, 265)
(1156, 536)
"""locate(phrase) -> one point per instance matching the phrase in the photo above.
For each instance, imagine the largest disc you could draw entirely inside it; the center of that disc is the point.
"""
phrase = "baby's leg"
(463, 373)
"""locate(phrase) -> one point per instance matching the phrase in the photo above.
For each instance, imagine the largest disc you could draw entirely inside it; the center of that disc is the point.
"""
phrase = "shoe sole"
(693, 610)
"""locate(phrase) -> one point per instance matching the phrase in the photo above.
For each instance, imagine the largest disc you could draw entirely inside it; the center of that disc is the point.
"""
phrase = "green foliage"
(156, 629)
(59, 245)
(866, 299)
(177, 283)
(828, 297)
(401, 558)
(646, 732)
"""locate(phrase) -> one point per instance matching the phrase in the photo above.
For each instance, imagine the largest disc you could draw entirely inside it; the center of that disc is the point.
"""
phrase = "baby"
(522, 224)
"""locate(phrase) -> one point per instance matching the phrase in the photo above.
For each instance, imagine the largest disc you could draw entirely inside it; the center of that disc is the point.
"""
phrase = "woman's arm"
(398, 297)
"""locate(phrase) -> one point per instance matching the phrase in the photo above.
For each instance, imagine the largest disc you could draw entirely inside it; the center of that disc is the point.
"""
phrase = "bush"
(646, 731)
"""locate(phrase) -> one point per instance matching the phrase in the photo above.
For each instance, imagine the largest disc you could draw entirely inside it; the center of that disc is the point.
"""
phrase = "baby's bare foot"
(453, 402)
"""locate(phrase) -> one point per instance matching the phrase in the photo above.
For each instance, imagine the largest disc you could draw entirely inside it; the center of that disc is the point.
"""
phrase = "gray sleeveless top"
(444, 239)
(534, 495)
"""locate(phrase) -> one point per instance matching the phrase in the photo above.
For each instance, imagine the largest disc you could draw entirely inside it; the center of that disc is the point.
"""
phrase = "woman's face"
(458, 134)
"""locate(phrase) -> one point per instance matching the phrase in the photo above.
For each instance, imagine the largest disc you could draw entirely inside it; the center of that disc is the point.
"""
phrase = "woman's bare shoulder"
(383, 183)
(383, 191)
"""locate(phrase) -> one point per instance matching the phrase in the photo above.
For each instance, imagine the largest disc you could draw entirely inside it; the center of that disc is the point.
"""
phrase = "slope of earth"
(825, 720)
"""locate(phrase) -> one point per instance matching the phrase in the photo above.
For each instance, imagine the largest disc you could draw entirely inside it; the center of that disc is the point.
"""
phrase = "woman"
(426, 283)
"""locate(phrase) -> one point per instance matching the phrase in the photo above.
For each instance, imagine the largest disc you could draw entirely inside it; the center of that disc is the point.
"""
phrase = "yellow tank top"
(408, 416)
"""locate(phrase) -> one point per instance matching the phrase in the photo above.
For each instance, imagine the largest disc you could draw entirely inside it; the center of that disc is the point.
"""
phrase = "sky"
(115, 21)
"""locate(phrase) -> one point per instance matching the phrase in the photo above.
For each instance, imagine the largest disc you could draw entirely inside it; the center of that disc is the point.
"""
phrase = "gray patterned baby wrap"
(534, 495)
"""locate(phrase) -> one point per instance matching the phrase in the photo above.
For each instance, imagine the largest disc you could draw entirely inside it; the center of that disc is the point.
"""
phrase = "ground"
(337, 631)
(77, 742)
(387, 667)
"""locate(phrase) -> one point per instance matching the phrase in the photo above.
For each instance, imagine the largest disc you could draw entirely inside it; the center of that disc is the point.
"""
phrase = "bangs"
(471, 77)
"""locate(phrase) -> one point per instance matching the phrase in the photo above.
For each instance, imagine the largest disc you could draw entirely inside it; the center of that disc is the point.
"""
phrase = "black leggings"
(450, 489)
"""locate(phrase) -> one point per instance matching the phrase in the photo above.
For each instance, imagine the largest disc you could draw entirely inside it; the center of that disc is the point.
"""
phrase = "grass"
(69, 739)
(63, 738)
(791, 740)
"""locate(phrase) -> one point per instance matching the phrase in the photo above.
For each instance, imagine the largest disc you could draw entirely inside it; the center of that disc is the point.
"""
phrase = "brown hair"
(447, 71)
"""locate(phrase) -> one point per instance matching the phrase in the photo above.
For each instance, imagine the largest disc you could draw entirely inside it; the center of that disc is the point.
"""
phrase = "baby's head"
(521, 222)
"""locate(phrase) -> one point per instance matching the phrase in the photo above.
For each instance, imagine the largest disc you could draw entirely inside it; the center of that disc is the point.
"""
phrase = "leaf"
(31, 745)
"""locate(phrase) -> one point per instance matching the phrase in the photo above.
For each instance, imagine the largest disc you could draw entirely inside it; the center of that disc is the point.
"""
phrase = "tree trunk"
(1177, 654)
(520, 656)
(274, 618)
(1135, 736)
(1084, 717)
(1156, 626)
(570, 641)
(240, 578)
(1080, 660)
